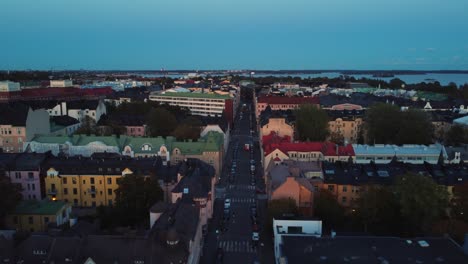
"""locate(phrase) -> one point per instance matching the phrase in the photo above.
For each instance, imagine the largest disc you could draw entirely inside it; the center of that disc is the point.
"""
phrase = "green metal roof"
(52, 139)
(33, 207)
(137, 142)
(195, 95)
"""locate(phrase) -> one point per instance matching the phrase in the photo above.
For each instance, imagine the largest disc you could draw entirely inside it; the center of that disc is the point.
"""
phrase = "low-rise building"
(26, 170)
(282, 103)
(20, 123)
(38, 216)
(417, 154)
(63, 125)
(8, 86)
(61, 83)
(93, 109)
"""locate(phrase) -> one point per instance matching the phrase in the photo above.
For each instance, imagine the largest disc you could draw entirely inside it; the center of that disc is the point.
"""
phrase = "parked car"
(255, 236)
(227, 203)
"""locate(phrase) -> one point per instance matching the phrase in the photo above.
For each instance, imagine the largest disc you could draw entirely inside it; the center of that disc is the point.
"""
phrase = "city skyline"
(207, 34)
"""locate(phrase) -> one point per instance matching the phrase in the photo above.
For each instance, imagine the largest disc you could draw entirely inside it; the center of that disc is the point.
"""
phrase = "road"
(233, 236)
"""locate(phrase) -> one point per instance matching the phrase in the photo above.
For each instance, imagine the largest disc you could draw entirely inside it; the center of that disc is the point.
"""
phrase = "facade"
(18, 124)
(55, 93)
(91, 182)
(417, 154)
(8, 86)
(38, 216)
(203, 104)
(305, 151)
(93, 109)
(61, 83)
(26, 170)
(282, 103)
(346, 128)
(279, 126)
(63, 125)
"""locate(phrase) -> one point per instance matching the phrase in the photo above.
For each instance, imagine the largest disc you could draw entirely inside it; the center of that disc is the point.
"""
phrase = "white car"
(227, 203)
(255, 236)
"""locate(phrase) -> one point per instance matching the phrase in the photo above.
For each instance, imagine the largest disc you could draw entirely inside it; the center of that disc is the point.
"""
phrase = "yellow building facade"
(88, 190)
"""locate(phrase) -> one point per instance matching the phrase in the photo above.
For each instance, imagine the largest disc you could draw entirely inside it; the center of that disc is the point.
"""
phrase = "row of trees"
(161, 120)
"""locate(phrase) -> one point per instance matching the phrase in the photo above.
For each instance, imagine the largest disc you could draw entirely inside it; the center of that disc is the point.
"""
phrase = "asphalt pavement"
(230, 231)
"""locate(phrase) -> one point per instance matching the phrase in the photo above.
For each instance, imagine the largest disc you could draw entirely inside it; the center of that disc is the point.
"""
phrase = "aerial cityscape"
(232, 132)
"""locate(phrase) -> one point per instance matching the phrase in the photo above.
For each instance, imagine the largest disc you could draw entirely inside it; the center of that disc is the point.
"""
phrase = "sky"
(234, 34)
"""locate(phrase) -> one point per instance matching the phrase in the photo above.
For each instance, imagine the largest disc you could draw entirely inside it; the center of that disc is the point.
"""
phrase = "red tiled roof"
(274, 138)
(288, 100)
(327, 148)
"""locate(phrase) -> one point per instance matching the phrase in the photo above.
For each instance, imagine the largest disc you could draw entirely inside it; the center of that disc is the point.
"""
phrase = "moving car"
(255, 236)
(227, 203)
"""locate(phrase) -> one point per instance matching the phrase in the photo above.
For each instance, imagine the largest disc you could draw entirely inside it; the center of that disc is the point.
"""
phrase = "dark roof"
(288, 100)
(28, 162)
(196, 183)
(122, 120)
(13, 114)
(64, 120)
(363, 250)
(83, 104)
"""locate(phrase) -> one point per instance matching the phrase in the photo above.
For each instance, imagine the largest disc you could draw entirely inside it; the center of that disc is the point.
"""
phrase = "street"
(230, 237)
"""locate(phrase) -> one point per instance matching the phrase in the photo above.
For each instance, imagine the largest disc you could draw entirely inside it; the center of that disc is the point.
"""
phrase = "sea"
(443, 78)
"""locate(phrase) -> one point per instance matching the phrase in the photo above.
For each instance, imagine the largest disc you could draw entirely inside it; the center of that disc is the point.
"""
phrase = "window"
(93, 204)
(93, 196)
(74, 180)
(75, 191)
(33, 186)
(46, 220)
(18, 175)
(110, 202)
(64, 180)
(92, 180)
(75, 202)
(343, 199)
(29, 187)
(31, 220)
(331, 188)
(109, 191)
(345, 188)
(109, 180)
(65, 190)
(30, 175)
(84, 181)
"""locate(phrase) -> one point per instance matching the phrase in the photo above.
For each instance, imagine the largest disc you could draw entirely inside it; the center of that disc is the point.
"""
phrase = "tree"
(311, 123)
(327, 208)
(88, 127)
(459, 202)
(161, 122)
(396, 83)
(134, 197)
(382, 123)
(422, 202)
(10, 196)
(415, 127)
(378, 210)
(337, 138)
(456, 135)
(278, 208)
(185, 131)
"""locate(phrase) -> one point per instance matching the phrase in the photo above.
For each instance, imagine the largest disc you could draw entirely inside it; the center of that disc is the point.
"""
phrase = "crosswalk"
(243, 200)
(237, 246)
(241, 187)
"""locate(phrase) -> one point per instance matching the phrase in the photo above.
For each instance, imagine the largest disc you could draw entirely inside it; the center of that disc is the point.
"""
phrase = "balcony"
(92, 191)
(52, 191)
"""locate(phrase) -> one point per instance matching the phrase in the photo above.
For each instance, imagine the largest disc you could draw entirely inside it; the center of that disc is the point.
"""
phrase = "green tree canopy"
(161, 122)
(422, 201)
(459, 202)
(378, 210)
(134, 197)
(311, 123)
(10, 196)
(327, 208)
(386, 124)
(456, 135)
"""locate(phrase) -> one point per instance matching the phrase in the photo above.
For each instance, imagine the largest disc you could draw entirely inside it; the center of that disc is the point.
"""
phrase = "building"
(38, 216)
(209, 148)
(457, 154)
(347, 129)
(283, 228)
(133, 125)
(63, 125)
(279, 126)
(61, 83)
(203, 104)
(93, 109)
(290, 180)
(463, 121)
(175, 237)
(8, 86)
(55, 93)
(282, 103)
(26, 170)
(91, 182)
(305, 249)
(20, 123)
(277, 151)
(417, 154)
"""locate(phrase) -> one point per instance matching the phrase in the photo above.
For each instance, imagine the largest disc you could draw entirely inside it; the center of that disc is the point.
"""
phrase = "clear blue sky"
(234, 34)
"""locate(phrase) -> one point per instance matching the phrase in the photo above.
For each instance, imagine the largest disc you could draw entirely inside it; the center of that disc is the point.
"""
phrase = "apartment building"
(417, 154)
(203, 104)
(282, 103)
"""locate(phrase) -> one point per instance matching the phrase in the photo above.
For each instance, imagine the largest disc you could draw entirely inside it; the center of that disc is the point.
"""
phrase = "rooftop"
(363, 250)
(33, 207)
(382, 149)
(287, 100)
(192, 95)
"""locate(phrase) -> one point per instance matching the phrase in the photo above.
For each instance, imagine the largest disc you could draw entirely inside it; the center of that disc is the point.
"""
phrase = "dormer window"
(146, 147)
